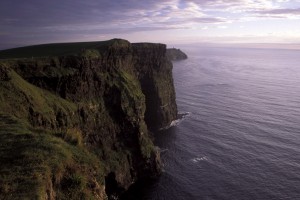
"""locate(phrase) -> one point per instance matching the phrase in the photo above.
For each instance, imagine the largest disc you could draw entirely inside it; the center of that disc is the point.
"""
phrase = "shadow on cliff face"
(149, 189)
(139, 190)
(112, 188)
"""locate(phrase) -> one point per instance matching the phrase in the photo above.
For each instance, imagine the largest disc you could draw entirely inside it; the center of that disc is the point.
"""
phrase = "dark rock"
(4, 73)
(157, 84)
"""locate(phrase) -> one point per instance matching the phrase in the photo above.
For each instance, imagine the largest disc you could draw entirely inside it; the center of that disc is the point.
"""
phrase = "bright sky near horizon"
(167, 21)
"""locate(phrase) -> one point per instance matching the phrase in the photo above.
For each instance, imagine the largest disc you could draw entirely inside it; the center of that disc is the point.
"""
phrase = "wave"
(197, 159)
(181, 117)
(215, 84)
(163, 150)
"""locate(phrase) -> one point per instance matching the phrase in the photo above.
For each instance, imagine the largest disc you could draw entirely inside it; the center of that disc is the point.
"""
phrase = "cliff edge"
(75, 118)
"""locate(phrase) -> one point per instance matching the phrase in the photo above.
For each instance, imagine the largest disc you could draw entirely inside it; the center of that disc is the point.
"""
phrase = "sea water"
(239, 136)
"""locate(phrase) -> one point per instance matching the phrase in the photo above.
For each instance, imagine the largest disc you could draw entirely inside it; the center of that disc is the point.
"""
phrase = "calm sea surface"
(240, 134)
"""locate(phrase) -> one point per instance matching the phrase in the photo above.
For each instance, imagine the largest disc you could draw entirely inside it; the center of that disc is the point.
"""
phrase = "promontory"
(75, 118)
(176, 54)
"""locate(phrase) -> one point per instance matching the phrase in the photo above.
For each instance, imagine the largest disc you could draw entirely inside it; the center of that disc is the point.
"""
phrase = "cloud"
(234, 5)
(210, 20)
(102, 15)
(295, 11)
(57, 20)
(222, 27)
(287, 13)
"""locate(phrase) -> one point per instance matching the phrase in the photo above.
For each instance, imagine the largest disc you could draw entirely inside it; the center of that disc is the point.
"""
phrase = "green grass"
(57, 49)
(17, 97)
(47, 156)
(73, 136)
(31, 161)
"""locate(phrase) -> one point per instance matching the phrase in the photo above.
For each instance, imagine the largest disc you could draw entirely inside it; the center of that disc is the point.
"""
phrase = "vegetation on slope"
(35, 162)
(72, 121)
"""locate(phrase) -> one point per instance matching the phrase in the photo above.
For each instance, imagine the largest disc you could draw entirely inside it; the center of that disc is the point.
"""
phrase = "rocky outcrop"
(96, 105)
(156, 83)
(176, 54)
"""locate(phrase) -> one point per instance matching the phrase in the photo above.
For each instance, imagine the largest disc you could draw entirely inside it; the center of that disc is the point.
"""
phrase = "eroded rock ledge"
(75, 118)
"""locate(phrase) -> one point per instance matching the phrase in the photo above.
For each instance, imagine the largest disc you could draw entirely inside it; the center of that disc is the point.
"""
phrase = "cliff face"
(156, 83)
(76, 126)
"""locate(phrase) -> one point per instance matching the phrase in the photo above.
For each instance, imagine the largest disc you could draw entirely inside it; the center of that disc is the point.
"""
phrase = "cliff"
(75, 118)
(176, 54)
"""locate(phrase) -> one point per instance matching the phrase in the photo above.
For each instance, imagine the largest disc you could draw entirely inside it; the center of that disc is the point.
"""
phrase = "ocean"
(239, 133)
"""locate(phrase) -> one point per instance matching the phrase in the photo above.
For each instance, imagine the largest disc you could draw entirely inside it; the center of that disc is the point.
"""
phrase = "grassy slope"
(55, 49)
(31, 159)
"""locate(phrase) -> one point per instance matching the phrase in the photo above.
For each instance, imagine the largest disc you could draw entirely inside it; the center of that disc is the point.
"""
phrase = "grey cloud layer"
(281, 11)
(22, 21)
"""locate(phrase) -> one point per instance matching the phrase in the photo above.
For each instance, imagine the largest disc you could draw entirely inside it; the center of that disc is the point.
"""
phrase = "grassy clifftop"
(57, 49)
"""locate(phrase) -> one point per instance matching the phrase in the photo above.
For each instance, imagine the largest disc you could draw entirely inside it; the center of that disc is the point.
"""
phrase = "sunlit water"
(240, 136)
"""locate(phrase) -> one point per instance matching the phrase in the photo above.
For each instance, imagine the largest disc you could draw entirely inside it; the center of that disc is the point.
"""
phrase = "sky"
(27, 22)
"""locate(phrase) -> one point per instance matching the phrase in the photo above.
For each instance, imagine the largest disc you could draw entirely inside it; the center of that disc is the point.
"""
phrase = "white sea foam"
(163, 150)
(181, 117)
(198, 159)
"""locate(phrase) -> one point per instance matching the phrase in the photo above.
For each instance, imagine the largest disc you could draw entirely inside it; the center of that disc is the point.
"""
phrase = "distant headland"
(176, 54)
